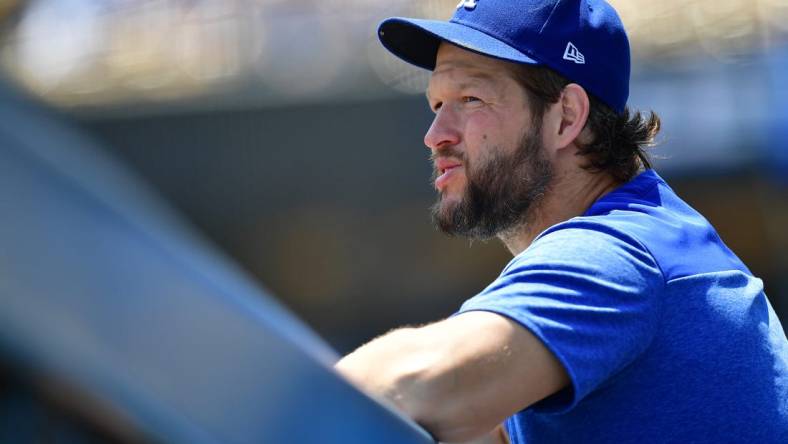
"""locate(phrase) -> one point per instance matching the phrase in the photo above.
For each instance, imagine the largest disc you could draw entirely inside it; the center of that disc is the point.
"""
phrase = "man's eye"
(469, 99)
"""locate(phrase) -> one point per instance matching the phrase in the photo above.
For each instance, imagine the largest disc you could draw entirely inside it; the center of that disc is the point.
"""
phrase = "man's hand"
(459, 378)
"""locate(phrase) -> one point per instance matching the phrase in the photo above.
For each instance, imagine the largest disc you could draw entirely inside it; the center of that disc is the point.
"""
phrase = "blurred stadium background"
(284, 131)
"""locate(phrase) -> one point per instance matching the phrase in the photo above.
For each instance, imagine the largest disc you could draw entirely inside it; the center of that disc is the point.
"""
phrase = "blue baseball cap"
(583, 40)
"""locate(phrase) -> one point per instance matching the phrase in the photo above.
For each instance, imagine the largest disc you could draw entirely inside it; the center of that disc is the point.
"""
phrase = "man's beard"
(500, 191)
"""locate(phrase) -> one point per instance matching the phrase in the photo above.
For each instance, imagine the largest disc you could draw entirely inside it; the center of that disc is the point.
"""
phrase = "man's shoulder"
(647, 216)
(634, 212)
(590, 247)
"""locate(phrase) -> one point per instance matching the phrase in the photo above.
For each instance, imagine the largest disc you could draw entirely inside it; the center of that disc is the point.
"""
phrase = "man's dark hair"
(619, 140)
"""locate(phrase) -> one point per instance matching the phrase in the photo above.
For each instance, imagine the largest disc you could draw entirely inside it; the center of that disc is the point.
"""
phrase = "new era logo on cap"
(469, 4)
(572, 54)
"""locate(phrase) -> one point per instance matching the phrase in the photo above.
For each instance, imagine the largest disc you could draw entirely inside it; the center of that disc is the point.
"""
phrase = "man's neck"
(568, 196)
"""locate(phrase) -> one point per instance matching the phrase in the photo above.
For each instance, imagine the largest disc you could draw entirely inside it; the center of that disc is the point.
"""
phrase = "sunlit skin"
(473, 102)
(463, 376)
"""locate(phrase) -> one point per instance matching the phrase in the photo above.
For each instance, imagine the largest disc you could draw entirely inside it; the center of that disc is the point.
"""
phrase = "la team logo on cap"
(468, 4)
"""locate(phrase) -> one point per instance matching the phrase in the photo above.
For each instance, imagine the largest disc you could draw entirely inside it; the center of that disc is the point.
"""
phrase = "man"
(622, 317)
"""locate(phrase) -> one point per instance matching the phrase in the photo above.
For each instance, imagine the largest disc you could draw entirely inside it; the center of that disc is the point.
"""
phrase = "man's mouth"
(446, 169)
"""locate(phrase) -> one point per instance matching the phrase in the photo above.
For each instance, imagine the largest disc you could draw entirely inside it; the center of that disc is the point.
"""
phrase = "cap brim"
(416, 41)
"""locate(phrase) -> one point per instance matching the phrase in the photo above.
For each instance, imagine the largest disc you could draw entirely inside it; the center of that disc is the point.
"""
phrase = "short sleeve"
(590, 293)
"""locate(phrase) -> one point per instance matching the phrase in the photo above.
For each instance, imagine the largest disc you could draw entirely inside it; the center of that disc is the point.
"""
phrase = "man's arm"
(461, 377)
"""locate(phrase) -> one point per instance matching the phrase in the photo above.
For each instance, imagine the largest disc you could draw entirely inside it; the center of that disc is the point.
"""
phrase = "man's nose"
(443, 132)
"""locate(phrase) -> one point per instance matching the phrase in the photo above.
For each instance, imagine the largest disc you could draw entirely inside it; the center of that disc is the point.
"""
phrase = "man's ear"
(565, 119)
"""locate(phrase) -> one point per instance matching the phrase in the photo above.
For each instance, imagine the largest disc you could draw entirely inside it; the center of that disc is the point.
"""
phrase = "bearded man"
(622, 317)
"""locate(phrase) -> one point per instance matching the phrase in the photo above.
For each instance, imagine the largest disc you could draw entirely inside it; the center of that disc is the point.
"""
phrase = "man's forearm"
(427, 377)
(387, 367)
(459, 378)
(406, 368)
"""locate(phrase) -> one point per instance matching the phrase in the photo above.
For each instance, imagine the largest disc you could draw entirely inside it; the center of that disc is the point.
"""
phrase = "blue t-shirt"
(665, 334)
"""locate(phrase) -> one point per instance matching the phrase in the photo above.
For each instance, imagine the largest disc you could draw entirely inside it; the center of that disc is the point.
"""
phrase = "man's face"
(490, 167)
